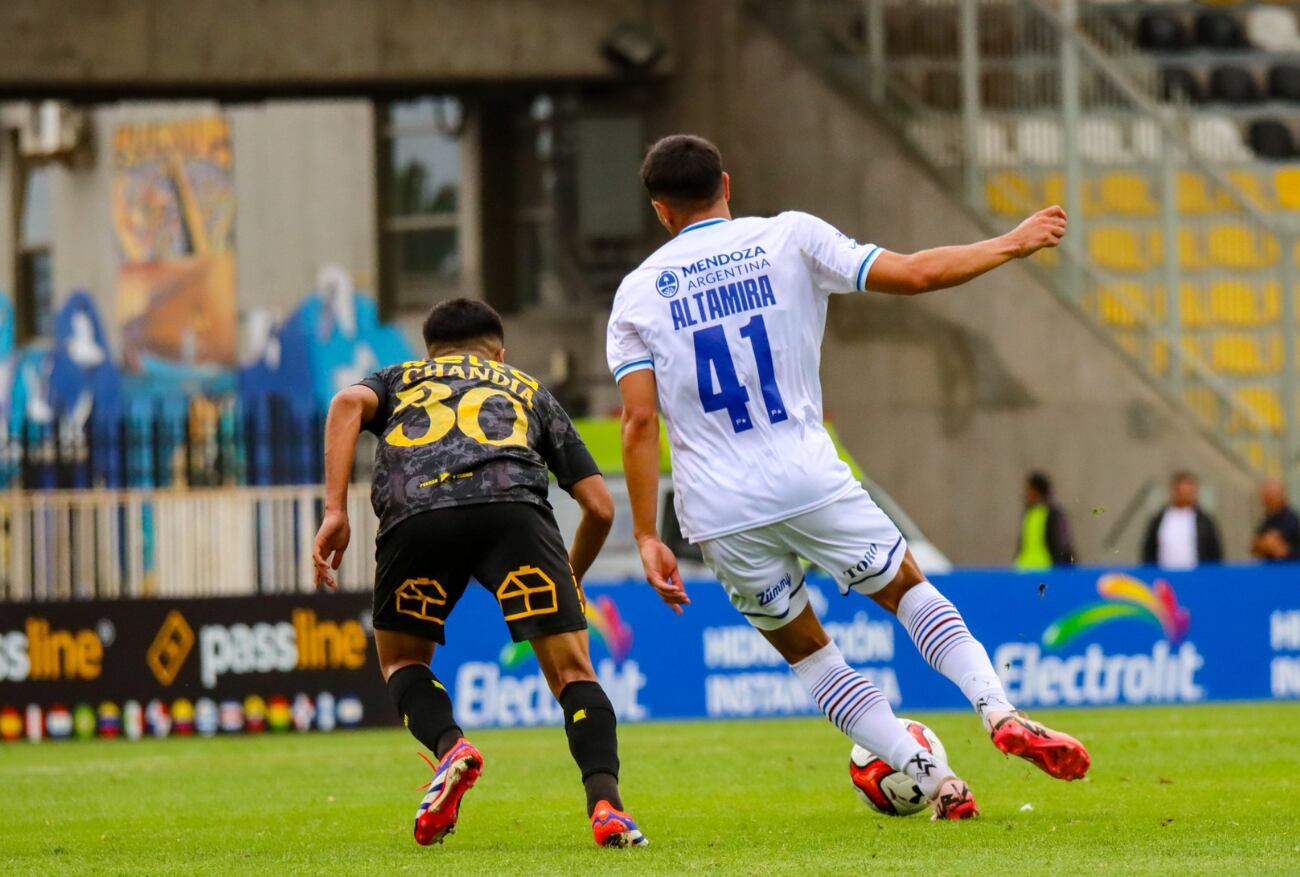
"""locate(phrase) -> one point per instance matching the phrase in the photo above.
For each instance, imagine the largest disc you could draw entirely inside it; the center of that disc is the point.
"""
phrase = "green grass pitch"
(1173, 790)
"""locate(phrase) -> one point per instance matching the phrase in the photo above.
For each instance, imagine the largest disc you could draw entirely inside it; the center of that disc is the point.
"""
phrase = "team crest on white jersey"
(667, 284)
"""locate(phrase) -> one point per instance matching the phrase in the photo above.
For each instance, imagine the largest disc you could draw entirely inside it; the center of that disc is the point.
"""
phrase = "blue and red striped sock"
(862, 712)
(942, 638)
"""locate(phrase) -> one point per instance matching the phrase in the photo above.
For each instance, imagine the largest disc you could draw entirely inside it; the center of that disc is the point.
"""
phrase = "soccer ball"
(886, 790)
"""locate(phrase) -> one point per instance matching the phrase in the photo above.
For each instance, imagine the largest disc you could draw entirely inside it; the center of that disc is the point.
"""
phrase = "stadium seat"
(1009, 194)
(1118, 248)
(1284, 82)
(1101, 141)
(1249, 186)
(941, 89)
(1159, 31)
(1269, 138)
(1237, 353)
(1219, 30)
(1273, 29)
(1147, 140)
(1000, 90)
(1179, 84)
(1192, 313)
(1193, 194)
(1239, 247)
(1039, 140)
(1123, 305)
(1286, 188)
(1264, 403)
(992, 145)
(938, 139)
(1218, 138)
(1128, 194)
(1234, 85)
(1237, 303)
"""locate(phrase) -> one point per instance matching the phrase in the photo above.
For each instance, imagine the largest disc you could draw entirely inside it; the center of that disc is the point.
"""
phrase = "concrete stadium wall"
(947, 400)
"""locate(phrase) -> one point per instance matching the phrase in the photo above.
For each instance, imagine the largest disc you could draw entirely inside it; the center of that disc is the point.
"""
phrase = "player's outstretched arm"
(943, 267)
(641, 468)
(349, 408)
(592, 494)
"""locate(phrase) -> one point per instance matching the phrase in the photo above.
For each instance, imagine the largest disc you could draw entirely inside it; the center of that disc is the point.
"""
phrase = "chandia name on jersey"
(721, 301)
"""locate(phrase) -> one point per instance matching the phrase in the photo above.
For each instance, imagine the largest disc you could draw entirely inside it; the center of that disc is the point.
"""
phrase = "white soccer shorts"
(851, 538)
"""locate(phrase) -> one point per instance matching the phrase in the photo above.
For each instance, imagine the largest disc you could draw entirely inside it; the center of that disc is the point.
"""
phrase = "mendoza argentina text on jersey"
(730, 316)
(460, 430)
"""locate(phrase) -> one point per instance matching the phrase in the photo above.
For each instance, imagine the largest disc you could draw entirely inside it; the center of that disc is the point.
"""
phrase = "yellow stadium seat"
(1286, 188)
(1192, 313)
(1054, 193)
(1250, 185)
(1194, 194)
(1236, 303)
(1259, 455)
(1010, 194)
(1236, 353)
(1127, 194)
(1117, 248)
(1123, 304)
(1266, 406)
(1239, 247)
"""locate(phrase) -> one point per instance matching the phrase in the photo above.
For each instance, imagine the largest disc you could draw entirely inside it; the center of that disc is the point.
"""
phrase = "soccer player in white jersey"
(721, 331)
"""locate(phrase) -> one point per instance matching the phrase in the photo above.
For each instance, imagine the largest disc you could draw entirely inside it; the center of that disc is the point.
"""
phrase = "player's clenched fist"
(1044, 229)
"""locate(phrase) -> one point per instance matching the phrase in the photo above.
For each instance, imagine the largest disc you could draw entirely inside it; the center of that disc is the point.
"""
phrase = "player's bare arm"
(944, 267)
(640, 431)
(592, 495)
(349, 409)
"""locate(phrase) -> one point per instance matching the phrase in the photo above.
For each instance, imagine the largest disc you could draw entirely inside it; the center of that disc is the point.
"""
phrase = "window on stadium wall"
(421, 155)
(34, 292)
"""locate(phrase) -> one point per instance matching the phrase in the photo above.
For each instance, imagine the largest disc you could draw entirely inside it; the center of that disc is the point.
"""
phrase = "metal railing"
(1175, 255)
(84, 544)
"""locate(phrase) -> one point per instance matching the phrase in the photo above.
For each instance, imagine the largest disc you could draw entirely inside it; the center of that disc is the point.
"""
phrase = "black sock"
(425, 707)
(591, 727)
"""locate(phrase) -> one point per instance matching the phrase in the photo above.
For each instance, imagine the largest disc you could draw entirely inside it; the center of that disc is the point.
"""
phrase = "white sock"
(941, 636)
(859, 710)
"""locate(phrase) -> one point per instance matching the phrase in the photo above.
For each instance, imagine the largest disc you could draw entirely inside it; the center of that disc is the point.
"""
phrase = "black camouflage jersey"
(459, 430)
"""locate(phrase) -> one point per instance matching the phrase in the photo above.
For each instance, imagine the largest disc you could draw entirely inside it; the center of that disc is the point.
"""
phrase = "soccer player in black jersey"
(460, 484)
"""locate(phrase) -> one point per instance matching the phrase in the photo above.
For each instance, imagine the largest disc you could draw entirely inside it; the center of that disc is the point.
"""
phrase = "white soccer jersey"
(730, 315)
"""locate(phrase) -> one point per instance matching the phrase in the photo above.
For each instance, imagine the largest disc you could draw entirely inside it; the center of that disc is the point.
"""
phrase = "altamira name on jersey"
(722, 301)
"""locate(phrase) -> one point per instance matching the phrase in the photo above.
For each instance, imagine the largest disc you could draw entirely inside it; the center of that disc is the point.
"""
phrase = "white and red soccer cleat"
(1057, 755)
(454, 775)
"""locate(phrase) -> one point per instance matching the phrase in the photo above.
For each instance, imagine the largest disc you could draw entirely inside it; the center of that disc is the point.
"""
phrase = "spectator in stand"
(1278, 535)
(1182, 535)
(1044, 528)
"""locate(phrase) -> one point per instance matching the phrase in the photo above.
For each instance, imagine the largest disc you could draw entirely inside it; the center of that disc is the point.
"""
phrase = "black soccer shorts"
(514, 549)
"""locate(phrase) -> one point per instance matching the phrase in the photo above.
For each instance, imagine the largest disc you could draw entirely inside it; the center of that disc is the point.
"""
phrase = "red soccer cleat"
(454, 775)
(614, 828)
(954, 801)
(1055, 754)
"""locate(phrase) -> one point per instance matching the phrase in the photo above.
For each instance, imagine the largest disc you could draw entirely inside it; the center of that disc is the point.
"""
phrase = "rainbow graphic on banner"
(604, 624)
(1123, 598)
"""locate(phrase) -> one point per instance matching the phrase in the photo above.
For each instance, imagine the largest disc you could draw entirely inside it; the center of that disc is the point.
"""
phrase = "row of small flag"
(182, 717)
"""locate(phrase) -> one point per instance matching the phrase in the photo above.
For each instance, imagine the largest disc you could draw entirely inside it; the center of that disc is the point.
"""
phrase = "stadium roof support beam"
(145, 48)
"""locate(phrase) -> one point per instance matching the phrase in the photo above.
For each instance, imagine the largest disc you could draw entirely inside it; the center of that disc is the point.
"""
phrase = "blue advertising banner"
(1069, 638)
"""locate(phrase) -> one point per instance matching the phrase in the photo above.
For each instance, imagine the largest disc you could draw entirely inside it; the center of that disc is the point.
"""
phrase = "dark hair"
(462, 319)
(1182, 475)
(1040, 483)
(683, 169)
